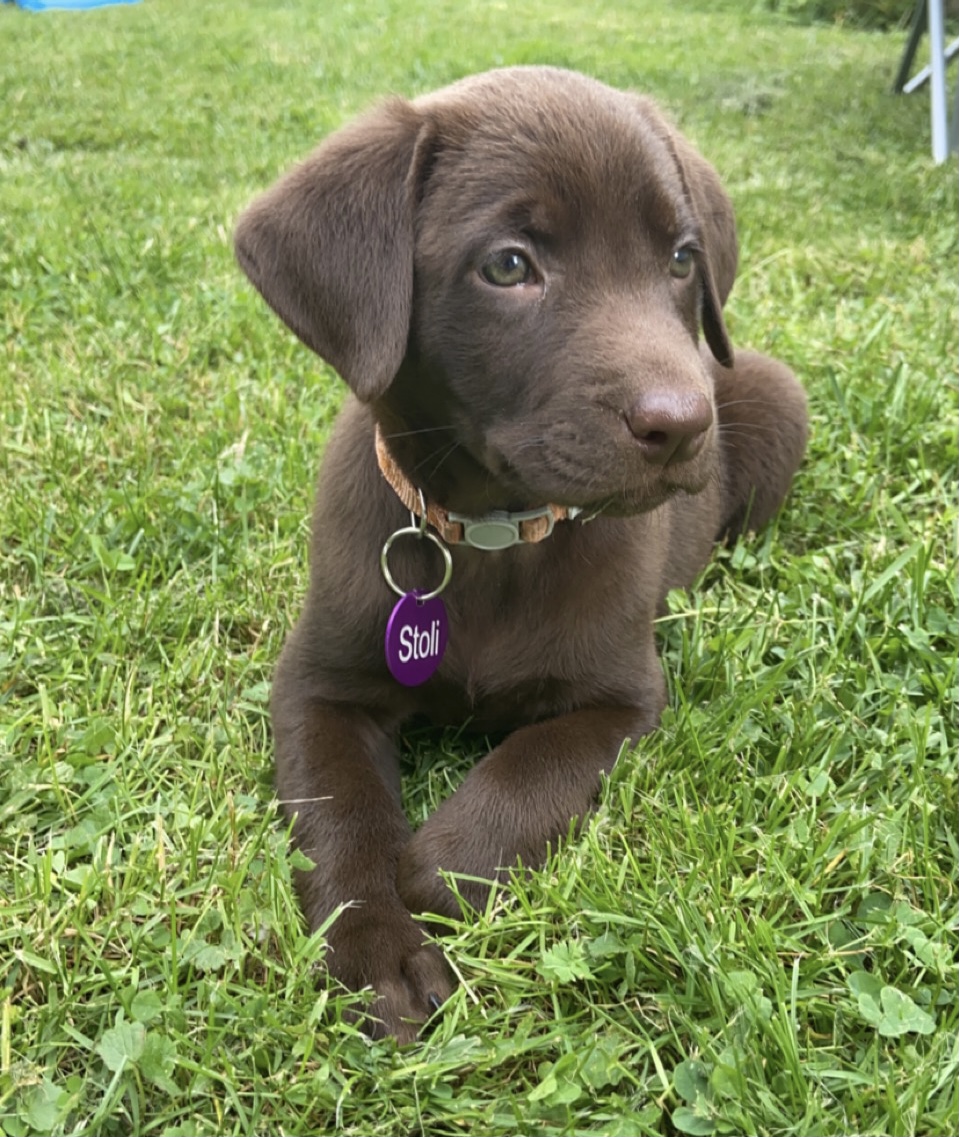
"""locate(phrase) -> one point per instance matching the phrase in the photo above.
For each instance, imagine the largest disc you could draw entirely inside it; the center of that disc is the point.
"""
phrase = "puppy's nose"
(670, 426)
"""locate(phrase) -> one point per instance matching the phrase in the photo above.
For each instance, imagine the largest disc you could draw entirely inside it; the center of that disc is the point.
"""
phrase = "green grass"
(756, 933)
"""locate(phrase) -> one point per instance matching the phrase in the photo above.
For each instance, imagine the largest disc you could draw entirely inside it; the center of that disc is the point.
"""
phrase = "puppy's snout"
(670, 426)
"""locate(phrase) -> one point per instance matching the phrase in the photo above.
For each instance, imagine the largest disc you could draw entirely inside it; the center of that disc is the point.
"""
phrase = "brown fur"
(585, 385)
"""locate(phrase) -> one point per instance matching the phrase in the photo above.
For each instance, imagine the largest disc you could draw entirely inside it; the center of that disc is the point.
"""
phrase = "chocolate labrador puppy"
(511, 275)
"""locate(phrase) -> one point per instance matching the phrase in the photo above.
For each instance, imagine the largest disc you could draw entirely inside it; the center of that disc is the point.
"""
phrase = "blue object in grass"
(75, 5)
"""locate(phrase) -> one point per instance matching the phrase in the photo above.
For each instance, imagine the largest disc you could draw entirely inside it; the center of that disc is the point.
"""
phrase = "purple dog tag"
(416, 635)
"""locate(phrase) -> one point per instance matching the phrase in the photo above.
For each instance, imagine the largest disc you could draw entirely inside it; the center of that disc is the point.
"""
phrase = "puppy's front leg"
(514, 802)
(336, 775)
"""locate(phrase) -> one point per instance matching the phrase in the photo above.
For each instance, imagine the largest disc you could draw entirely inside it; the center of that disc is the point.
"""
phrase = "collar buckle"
(502, 530)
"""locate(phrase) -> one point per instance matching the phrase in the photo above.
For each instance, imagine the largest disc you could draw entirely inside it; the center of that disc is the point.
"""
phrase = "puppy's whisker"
(739, 403)
(747, 428)
(438, 458)
(421, 430)
(530, 443)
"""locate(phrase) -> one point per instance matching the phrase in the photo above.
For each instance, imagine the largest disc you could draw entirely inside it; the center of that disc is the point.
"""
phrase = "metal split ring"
(417, 529)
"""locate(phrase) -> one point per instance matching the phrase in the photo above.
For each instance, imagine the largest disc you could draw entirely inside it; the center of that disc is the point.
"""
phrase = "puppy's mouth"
(608, 476)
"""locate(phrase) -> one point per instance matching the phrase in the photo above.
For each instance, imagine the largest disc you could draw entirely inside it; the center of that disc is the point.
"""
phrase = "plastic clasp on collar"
(500, 530)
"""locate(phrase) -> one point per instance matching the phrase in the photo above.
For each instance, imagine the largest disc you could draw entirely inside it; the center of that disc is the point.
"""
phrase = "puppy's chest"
(488, 652)
(523, 658)
(496, 682)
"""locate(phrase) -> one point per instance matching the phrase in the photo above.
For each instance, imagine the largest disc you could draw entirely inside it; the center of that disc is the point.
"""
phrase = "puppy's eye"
(682, 263)
(507, 268)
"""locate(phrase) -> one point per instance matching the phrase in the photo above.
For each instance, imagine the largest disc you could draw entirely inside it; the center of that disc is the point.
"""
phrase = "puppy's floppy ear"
(714, 211)
(330, 246)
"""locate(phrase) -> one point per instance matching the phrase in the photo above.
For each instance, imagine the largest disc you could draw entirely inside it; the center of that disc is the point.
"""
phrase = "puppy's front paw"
(387, 950)
(407, 999)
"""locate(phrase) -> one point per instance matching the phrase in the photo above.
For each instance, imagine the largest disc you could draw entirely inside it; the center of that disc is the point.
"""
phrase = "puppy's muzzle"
(669, 426)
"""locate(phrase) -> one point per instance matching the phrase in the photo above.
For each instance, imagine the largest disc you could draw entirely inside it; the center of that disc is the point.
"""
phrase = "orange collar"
(496, 530)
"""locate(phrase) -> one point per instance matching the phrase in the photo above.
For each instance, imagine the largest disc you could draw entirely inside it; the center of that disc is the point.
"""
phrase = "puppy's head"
(515, 271)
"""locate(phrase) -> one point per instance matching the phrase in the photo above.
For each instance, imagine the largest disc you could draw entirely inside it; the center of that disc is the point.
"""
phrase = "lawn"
(756, 932)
